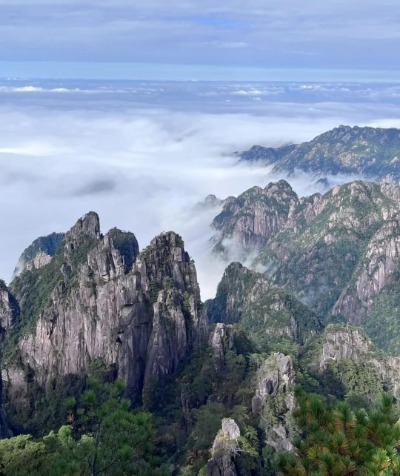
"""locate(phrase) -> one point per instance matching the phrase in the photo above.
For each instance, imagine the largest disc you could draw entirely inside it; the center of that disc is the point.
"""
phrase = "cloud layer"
(143, 157)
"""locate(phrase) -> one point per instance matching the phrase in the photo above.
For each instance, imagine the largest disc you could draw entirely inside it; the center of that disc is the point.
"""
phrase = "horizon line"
(113, 71)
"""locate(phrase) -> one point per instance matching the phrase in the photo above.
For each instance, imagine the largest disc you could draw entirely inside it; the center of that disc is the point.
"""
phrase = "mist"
(142, 164)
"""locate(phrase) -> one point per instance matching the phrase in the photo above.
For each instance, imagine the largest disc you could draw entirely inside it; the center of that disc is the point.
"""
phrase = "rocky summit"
(364, 151)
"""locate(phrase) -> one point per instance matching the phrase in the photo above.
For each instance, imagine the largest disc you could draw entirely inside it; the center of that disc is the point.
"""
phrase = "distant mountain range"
(371, 152)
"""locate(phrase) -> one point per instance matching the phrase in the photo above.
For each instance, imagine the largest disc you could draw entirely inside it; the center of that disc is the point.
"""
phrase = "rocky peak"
(224, 450)
(211, 201)
(280, 189)
(255, 216)
(166, 257)
(138, 316)
(87, 227)
(273, 401)
(221, 341)
(238, 284)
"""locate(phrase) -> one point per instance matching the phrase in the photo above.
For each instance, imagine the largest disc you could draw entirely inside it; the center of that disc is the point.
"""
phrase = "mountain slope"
(337, 252)
(367, 151)
(267, 314)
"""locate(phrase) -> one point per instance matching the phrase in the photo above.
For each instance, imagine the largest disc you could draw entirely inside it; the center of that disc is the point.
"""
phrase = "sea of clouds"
(144, 154)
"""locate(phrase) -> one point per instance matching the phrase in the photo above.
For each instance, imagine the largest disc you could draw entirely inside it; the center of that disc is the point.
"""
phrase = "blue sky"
(183, 39)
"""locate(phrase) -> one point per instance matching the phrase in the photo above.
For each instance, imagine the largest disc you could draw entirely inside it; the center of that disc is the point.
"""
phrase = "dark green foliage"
(105, 438)
(191, 405)
(45, 410)
(271, 317)
(154, 290)
(337, 441)
(382, 323)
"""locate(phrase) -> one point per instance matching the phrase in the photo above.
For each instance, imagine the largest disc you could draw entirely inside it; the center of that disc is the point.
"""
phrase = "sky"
(184, 39)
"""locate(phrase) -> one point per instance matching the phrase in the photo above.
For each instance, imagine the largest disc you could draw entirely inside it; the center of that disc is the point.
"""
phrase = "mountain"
(338, 252)
(39, 253)
(99, 306)
(367, 151)
(266, 313)
(106, 344)
(252, 218)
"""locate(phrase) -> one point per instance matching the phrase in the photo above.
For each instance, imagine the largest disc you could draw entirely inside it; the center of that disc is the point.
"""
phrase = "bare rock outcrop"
(39, 253)
(381, 262)
(9, 313)
(9, 309)
(273, 401)
(221, 340)
(224, 450)
(250, 220)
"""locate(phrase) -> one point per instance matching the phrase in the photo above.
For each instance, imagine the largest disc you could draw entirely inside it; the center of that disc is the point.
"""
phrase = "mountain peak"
(86, 227)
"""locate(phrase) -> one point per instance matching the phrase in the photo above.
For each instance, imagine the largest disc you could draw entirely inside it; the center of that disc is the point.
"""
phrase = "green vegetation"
(33, 289)
(103, 437)
(269, 316)
(337, 441)
(383, 321)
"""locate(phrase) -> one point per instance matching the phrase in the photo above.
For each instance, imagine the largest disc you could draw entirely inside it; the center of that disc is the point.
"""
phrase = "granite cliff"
(100, 305)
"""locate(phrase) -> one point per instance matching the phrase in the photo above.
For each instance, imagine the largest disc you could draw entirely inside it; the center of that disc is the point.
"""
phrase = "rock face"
(267, 313)
(39, 253)
(221, 340)
(371, 152)
(254, 217)
(337, 253)
(133, 315)
(9, 310)
(273, 402)
(224, 450)
(9, 313)
(378, 269)
(347, 353)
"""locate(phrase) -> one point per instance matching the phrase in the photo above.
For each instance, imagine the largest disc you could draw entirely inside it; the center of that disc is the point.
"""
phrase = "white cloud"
(141, 161)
